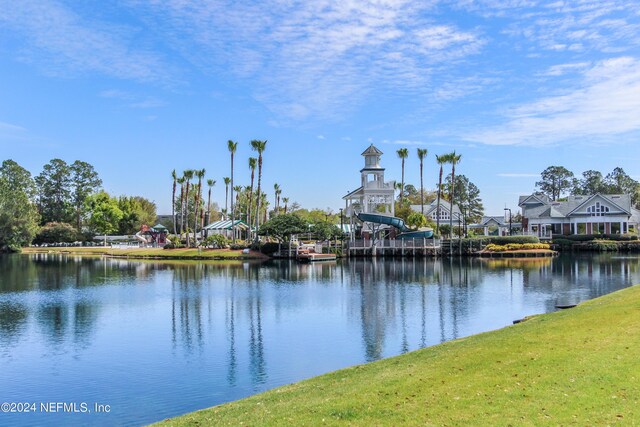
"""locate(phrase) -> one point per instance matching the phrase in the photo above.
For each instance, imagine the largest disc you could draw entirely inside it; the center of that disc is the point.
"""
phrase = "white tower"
(374, 195)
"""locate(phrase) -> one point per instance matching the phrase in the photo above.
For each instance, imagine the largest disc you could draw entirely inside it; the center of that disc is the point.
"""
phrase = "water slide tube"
(405, 232)
(141, 238)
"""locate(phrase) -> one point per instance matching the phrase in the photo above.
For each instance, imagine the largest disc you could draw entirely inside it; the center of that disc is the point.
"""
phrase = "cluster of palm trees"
(449, 158)
(240, 202)
(191, 208)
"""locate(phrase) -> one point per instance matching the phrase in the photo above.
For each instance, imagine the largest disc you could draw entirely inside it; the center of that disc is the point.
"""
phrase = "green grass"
(579, 366)
(153, 253)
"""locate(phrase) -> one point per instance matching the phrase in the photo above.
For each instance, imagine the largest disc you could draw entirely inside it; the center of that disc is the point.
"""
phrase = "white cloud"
(320, 137)
(8, 127)
(133, 100)
(319, 58)
(62, 42)
(604, 104)
(404, 142)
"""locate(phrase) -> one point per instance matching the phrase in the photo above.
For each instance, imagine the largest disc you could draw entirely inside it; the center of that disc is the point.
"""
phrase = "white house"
(593, 214)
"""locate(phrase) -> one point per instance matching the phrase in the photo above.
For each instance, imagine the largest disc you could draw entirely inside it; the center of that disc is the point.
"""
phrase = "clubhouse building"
(591, 214)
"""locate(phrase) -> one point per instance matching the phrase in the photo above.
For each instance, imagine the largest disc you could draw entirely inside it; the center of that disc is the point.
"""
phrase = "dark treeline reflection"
(250, 318)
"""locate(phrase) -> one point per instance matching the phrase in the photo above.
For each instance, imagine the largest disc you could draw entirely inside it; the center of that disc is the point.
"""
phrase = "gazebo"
(227, 228)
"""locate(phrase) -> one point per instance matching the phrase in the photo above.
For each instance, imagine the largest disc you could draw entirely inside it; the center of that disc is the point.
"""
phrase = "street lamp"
(507, 209)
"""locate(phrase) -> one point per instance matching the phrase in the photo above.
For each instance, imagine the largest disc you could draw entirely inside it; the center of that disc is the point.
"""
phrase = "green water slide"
(405, 232)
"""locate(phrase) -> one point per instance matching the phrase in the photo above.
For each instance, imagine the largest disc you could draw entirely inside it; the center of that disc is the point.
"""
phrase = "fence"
(395, 243)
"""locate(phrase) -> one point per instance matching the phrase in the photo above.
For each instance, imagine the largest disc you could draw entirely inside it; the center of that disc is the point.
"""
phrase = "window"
(597, 210)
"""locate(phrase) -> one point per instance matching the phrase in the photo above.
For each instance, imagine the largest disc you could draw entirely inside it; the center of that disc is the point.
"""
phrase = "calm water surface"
(154, 340)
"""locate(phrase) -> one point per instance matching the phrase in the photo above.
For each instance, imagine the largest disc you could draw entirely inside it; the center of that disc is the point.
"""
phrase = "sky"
(138, 88)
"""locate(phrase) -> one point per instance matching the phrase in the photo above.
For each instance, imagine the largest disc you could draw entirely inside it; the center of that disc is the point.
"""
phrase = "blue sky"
(138, 88)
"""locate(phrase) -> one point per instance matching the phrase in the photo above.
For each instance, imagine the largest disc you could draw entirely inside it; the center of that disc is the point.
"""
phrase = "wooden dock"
(314, 257)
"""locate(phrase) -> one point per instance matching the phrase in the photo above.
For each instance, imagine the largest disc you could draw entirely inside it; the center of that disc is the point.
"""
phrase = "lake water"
(157, 339)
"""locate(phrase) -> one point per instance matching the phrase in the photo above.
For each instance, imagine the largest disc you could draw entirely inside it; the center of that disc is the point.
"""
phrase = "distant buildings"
(593, 214)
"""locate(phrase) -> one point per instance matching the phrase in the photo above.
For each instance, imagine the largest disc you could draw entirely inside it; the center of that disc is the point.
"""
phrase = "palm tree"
(253, 162)
(188, 175)
(403, 153)
(173, 200)
(453, 159)
(210, 184)
(226, 180)
(259, 146)
(232, 146)
(276, 193)
(442, 159)
(181, 181)
(286, 202)
(422, 153)
(200, 174)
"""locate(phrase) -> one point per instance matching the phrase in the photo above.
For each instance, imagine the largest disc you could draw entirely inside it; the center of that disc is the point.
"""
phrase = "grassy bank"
(579, 366)
(151, 253)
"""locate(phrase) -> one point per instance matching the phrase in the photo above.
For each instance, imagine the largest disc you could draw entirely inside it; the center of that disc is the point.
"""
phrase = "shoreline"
(575, 366)
(150, 254)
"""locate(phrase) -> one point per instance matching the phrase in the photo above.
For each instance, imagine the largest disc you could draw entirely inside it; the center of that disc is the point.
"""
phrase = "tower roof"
(372, 151)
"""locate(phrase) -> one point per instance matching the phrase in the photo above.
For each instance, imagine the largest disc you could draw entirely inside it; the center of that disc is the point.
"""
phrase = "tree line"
(64, 202)
(558, 181)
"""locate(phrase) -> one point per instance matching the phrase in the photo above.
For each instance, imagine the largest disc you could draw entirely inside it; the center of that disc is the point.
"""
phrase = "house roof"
(372, 151)
(572, 205)
(227, 225)
(431, 207)
(356, 191)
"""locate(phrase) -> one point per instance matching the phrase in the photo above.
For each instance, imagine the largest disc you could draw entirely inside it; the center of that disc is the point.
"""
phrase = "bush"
(591, 237)
(217, 241)
(516, 246)
(269, 248)
(57, 232)
(504, 240)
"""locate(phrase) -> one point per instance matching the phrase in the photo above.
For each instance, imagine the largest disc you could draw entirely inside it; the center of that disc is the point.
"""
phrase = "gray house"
(592, 214)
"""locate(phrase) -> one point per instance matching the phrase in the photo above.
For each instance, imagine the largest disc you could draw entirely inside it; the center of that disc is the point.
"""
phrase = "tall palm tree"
(181, 181)
(453, 159)
(173, 200)
(232, 146)
(210, 183)
(422, 153)
(276, 191)
(259, 146)
(227, 181)
(198, 198)
(441, 160)
(403, 153)
(188, 176)
(286, 202)
(253, 162)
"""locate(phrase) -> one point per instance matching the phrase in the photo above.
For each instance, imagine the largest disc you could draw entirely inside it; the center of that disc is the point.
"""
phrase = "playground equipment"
(405, 232)
(155, 236)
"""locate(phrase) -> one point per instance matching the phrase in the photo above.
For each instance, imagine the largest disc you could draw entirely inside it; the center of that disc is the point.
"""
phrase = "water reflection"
(219, 331)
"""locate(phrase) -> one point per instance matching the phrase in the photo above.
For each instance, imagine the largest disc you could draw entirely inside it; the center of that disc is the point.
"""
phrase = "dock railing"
(395, 243)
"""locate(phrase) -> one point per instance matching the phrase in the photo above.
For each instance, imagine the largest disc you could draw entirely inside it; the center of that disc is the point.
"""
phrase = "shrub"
(269, 248)
(503, 240)
(492, 247)
(217, 241)
(57, 232)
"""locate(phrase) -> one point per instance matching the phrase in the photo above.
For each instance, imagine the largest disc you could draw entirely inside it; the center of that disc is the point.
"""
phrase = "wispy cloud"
(318, 58)
(8, 127)
(133, 100)
(62, 42)
(604, 104)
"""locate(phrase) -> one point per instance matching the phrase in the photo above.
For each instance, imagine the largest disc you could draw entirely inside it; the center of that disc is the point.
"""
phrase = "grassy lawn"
(152, 253)
(579, 366)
